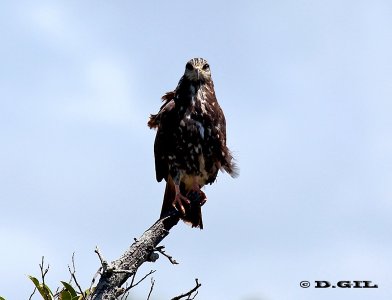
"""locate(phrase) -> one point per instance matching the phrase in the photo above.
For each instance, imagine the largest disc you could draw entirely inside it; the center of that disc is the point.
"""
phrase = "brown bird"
(190, 144)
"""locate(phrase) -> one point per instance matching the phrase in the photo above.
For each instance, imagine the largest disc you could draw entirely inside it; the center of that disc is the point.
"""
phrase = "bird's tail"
(170, 193)
(192, 214)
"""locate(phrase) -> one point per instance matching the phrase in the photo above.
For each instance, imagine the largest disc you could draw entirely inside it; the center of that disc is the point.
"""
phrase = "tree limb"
(142, 250)
(74, 277)
(151, 288)
(189, 294)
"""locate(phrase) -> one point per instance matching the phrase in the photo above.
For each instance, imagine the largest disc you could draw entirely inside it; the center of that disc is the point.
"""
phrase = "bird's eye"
(206, 67)
(189, 67)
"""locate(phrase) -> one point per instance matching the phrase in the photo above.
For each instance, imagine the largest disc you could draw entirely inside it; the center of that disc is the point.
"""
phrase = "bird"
(190, 143)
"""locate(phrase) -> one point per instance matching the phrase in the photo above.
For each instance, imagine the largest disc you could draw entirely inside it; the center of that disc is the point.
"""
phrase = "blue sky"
(306, 89)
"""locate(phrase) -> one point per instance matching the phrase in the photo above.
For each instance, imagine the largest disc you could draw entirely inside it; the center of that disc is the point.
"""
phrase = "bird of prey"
(190, 144)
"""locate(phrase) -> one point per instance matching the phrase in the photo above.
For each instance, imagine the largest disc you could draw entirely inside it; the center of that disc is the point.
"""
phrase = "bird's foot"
(179, 202)
(197, 195)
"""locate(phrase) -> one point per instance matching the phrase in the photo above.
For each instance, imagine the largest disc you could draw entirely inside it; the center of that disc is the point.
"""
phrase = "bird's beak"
(198, 74)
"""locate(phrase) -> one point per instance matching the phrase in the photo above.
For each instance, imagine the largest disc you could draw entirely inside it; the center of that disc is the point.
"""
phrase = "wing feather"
(161, 140)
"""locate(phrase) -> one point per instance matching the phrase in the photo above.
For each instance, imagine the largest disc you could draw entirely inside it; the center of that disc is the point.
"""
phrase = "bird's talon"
(179, 201)
(197, 196)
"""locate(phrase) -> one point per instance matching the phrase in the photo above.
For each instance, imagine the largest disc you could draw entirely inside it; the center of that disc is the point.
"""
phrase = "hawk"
(190, 144)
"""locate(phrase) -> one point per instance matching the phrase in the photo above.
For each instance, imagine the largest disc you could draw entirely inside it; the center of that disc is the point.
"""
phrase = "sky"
(306, 89)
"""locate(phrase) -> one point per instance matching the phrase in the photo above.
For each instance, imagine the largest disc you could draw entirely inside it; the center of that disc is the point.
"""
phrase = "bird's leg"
(179, 198)
(195, 184)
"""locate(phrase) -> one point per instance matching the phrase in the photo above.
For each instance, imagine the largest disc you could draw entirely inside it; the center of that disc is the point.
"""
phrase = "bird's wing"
(165, 109)
(162, 144)
(218, 135)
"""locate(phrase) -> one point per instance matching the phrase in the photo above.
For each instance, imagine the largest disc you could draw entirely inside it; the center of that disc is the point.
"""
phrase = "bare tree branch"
(145, 276)
(133, 278)
(152, 287)
(115, 274)
(189, 298)
(104, 263)
(189, 294)
(119, 271)
(74, 277)
(169, 257)
(43, 274)
(32, 294)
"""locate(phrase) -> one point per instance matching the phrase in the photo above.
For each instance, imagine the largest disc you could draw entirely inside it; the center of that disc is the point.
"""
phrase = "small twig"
(128, 288)
(74, 277)
(188, 294)
(56, 294)
(104, 263)
(43, 273)
(169, 257)
(133, 278)
(145, 276)
(189, 297)
(152, 287)
(125, 294)
(102, 268)
(31, 296)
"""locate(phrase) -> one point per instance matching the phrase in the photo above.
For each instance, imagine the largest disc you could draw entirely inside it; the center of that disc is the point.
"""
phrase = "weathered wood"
(115, 274)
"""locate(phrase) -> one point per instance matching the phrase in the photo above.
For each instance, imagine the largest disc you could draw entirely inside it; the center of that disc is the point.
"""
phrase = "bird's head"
(198, 69)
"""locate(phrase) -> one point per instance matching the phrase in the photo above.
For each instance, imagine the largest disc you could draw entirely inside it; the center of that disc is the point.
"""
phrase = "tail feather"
(229, 165)
(170, 193)
(193, 214)
(232, 169)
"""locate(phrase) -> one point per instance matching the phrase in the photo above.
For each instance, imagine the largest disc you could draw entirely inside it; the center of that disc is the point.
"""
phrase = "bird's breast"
(188, 178)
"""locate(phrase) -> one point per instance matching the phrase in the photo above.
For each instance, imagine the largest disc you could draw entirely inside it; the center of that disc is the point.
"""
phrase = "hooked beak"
(197, 74)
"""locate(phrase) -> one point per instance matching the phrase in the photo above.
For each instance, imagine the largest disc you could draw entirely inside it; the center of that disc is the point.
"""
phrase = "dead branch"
(116, 273)
(169, 257)
(32, 294)
(145, 276)
(43, 274)
(151, 288)
(74, 277)
(189, 294)
(104, 263)
(131, 286)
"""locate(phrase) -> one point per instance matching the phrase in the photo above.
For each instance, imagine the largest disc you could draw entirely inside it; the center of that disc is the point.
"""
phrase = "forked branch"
(116, 273)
